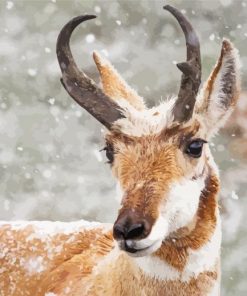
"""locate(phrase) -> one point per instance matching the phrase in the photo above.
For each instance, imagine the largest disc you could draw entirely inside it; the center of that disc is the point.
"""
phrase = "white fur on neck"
(206, 257)
(156, 268)
(215, 290)
(200, 260)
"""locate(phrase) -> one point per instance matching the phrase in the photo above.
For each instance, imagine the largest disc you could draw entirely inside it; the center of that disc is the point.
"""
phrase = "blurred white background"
(51, 167)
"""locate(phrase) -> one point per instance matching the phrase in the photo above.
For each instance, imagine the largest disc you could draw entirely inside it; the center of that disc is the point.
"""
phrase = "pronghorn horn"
(191, 69)
(80, 87)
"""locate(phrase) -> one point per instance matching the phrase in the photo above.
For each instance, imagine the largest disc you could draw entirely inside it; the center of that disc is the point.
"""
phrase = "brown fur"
(87, 262)
(145, 170)
(127, 279)
(175, 249)
(77, 267)
(80, 276)
(145, 166)
(72, 260)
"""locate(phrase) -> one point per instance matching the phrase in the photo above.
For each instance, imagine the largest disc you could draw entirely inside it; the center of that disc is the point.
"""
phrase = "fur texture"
(175, 194)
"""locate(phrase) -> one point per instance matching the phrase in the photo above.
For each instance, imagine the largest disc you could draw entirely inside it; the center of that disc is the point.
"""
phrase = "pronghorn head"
(159, 156)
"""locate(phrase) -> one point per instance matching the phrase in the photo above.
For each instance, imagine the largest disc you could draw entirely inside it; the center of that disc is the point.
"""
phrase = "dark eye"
(194, 149)
(109, 152)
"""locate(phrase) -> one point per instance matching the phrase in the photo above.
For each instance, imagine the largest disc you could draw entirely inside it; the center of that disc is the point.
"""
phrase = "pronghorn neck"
(186, 262)
(174, 250)
(90, 263)
(190, 251)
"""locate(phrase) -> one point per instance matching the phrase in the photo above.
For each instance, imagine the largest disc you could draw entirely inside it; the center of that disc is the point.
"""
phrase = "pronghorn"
(167, 236)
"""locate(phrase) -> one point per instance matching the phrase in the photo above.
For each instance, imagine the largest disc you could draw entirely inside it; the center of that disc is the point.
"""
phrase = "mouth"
(131, 248)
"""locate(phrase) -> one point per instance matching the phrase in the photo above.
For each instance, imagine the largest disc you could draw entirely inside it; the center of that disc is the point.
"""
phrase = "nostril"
(135, 231)
(118, 231)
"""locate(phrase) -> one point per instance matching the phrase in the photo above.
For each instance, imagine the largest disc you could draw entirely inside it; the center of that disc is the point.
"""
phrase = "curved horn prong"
(191, 69)
(80, 87)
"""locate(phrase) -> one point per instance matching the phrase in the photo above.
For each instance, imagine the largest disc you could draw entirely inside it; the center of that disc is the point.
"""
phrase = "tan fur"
(147, 165)
(63, 258)
(82, 267)
(148, 178)
(89, 262)
(175, 249)
(146, 184)
(113, 84)
(113, 279)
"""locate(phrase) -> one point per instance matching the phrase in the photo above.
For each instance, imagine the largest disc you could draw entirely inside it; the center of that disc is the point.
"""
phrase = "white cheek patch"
(159, 229)
(177, 212)
(182, 202)
(157, 234)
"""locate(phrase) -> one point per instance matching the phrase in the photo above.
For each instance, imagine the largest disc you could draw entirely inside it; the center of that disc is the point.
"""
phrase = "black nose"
(121, 231)
(129, 225)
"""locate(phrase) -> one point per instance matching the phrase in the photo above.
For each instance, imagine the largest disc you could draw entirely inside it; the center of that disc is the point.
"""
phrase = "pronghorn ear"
(113, 84)
(221, 91)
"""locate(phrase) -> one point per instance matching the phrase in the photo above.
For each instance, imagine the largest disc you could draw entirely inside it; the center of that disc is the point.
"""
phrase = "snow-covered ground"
(50, 163)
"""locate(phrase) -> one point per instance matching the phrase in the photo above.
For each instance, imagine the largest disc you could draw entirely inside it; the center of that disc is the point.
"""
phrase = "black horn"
(80, 87)
(191, 69)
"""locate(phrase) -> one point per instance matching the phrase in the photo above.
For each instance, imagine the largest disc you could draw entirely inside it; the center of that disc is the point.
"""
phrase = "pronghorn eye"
(109, 152)
(194, 149)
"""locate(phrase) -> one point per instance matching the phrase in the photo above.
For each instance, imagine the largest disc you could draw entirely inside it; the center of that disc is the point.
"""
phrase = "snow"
(52, 101)
(32, 72)
(226, 2)
(9, 5)
(47, 50)
(34, 106)
(47, 174)
(34, 265)
(212, 37)
(97, 9)
(90, 38)
(234, 195)
(42, 229)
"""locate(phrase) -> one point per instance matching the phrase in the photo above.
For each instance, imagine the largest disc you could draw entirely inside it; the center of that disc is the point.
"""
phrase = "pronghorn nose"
(127, 228)
(134, 231)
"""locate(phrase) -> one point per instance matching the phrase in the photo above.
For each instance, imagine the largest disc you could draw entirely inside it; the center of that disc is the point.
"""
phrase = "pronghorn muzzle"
(130, 226)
